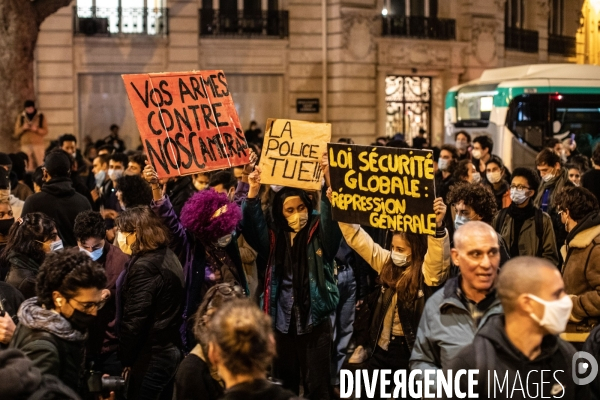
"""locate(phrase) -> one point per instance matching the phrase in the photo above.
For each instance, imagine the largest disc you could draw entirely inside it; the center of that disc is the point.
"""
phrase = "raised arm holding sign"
(187, 121)
(383, 187)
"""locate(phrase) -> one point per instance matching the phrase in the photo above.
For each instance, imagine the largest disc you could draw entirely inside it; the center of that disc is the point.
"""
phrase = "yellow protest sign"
(292, 152)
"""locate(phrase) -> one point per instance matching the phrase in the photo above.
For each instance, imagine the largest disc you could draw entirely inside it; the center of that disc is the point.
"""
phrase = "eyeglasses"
(9, 213)
(519, 187)
(90, 305)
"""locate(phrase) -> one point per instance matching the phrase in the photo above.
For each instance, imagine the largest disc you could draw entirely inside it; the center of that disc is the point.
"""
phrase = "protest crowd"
(116, 282)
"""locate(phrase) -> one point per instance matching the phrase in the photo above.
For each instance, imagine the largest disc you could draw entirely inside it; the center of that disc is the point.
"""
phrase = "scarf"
(293, 257)
(519, 216)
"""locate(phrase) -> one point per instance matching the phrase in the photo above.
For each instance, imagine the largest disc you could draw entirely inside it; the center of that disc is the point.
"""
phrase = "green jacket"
(324, 240)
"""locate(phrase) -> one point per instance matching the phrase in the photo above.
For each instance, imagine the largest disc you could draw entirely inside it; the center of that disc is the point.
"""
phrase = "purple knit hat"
(209, 215)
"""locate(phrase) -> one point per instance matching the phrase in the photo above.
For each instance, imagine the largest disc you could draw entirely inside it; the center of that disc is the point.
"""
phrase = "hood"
(585, 231)
(15, 201)
(59, 187)
(277, 208)
(34, 316)
(495, 332)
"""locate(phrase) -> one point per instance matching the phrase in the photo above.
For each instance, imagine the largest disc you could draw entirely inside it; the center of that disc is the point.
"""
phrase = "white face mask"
(399, 260)
(476, 177)
(276, 188)
(494, 177)
(548, 177)
(518, 196)
(297, 221)
(556, 314)
(443, 164)
(115, 174)
(224, 240)
(476, 154)
(461, 145)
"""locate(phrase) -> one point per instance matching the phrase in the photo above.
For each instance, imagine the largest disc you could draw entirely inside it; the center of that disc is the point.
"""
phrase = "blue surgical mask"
(460, 221)
(100, 177)
(56, 246)
(94, 255)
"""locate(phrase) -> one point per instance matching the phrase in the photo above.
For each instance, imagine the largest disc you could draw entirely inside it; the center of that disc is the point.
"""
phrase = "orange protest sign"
(187, 121)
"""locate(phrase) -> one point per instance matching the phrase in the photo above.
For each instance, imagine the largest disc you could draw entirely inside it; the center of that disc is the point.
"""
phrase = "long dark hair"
(406, 281)
(27, 235)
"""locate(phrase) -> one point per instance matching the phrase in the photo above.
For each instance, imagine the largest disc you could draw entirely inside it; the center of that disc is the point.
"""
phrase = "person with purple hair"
(300, 290)
(204, 238)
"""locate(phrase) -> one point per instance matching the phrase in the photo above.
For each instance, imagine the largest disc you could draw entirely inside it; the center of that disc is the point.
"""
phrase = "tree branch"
(45, 8)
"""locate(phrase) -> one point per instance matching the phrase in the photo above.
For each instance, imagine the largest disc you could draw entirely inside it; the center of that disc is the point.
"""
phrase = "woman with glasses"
(196, 377)
(53, 326)
(150, 295)
(29, 240)
(526, 229)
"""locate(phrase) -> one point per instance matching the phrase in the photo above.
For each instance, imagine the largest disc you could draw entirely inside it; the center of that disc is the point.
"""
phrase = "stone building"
(370, 67)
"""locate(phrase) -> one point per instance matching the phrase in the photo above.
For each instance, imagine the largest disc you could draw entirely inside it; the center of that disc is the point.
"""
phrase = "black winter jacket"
(150, 297)
(592, 346)
(258, 390)
(59, 201)
(492, 351)
(48, 340)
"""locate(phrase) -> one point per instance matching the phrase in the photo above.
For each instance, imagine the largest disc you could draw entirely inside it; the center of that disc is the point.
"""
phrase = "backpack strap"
(539, 230)
(500, 220)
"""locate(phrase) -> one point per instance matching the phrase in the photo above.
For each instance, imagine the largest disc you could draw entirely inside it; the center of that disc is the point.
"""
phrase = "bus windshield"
(474, 102)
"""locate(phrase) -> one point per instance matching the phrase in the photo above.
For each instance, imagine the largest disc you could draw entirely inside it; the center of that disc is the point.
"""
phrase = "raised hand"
(254, 182)
(439, 208)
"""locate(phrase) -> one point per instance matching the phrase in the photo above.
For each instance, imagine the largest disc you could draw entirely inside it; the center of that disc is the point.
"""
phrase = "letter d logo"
(583, 367)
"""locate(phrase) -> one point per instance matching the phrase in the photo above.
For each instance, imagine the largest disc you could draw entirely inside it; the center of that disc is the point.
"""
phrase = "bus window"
(527, 118)
(474, 103)
(578, 114)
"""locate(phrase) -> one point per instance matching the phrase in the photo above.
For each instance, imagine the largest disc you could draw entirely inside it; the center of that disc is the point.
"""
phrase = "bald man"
(523, 342)
(453, 314)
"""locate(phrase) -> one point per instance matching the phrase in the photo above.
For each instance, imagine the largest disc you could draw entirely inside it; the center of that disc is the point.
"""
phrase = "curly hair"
(89, 224)
(579, 201)
(27, 237)
(197, 215)
(243, 334)
(135, 191)
(476, 196)
(462, 170)
(214, 299)
(67, 271)
(532, 178)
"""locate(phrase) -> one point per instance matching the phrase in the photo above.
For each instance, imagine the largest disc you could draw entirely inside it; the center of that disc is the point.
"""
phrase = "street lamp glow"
(384, 12)
(595, 4)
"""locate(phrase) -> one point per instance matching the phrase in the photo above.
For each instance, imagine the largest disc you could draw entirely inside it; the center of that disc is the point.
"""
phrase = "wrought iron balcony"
(244, 24)
(102, 21)
(564, 45)
(418, 27)
(521, 39)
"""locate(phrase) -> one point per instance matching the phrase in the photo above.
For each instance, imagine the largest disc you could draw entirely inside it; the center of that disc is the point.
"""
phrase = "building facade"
(370, 67)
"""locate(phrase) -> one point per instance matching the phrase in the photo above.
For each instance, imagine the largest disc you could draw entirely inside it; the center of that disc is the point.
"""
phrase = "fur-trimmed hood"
(583, 234)
(33, 316)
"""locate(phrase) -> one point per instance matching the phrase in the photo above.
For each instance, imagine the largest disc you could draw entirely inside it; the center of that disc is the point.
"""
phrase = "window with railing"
(415, 18)
(112, 17)
(234, 23)
(558, 42)
(516, 37)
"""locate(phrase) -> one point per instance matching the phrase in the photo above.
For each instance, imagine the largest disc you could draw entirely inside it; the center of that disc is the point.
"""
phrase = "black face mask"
(5, 225)
(80, 320)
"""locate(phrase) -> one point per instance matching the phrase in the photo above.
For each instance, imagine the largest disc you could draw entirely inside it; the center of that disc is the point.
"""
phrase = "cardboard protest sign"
(292, 152)
(383, 187)
(187, 121)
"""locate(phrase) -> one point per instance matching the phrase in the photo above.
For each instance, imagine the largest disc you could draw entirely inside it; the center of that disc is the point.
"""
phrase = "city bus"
(521, 108)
